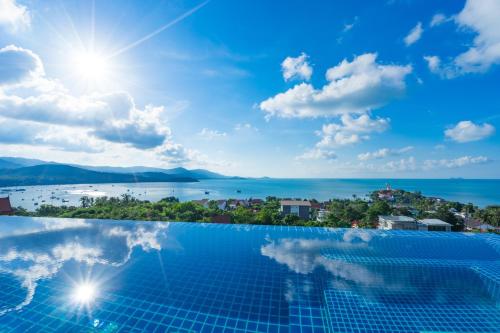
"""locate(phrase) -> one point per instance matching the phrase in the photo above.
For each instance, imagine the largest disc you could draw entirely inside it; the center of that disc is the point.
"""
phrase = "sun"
(91, 66)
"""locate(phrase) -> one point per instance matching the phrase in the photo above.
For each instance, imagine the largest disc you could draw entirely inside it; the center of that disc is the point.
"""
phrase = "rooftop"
(397, 218)
(295, 203)
(434, 222)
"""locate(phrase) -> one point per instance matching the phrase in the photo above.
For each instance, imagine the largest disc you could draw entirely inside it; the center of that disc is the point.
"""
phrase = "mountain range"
(15, 171)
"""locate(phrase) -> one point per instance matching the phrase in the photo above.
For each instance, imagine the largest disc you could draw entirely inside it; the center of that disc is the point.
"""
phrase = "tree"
(375, 210)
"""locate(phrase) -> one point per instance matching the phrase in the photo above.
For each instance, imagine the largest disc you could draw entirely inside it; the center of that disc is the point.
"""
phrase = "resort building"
(386, 194)
(296, 207)
(322, 213)
(5, 206)
(433, 225)
(389, 222)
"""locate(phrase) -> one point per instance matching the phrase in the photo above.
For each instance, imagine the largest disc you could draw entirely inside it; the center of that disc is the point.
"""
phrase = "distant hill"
(19, 162)
(51, 174)
(181, 172)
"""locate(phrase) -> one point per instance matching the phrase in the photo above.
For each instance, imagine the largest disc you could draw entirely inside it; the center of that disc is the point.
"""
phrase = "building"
(203, 202)
(296, 207)
(5, 207)
(389, 222)
(433, 225)
(386, 194)
(256, 202)
(221, 204)
(322, 213)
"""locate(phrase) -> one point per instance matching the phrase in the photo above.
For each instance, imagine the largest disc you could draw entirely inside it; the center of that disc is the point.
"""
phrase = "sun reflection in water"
(84, 293)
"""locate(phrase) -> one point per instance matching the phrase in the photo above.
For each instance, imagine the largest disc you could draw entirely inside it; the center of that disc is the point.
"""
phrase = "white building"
(389, 222)
(433, 225)
(322, 213)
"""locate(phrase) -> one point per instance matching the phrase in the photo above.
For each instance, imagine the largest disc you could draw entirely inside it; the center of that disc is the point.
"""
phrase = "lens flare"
(84, 293)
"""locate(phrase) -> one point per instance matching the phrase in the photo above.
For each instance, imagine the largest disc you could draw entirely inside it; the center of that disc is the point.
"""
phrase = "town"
(384, 209)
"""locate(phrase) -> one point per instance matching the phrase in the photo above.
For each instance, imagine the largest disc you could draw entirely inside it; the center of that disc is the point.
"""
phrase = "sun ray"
(162, 28)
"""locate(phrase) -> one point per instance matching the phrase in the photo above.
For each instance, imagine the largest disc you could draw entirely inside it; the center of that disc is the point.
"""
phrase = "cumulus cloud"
(14, 16)
(350, 130)
(18, 64)
(211, 134)
(481, 17)
(296, 68)
(467, 131)
(355, 86)
(53, 136)
(37, 103)
(383, 153)
(455, 163)
(414, 35)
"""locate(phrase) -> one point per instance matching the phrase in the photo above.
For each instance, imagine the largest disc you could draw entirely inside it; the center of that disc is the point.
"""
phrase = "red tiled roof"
(5, 207)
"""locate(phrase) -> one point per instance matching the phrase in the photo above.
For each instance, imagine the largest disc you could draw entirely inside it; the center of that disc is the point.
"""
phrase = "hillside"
(51, 174)
(18, 162)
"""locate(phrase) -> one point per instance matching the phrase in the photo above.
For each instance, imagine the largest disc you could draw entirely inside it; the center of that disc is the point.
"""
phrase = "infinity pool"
(71, 275)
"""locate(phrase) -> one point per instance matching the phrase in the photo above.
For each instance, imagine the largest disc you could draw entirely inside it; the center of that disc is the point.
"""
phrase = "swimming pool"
(107, 276)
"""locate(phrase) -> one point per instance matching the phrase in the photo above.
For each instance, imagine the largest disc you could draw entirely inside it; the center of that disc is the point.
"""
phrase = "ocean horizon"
(480, 192)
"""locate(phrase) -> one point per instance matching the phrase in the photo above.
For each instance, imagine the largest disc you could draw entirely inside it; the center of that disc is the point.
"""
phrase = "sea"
(481, 192)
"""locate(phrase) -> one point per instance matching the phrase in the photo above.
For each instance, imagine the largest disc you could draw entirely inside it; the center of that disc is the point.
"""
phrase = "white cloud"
(433, 62)
(414, 35)
(350, 130)
(349, 26)
(14, 16)
(467, 131)
(354, 87)
(455, 163)
(317, 154)
(296, 68)
(48, 115)
(438, 19)
(408, 164)
(481, 17)
(211, 134)
(18, 65)
(245, 127)
(383, 152)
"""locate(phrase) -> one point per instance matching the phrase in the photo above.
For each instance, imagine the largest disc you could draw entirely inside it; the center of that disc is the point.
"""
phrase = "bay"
(481, 192)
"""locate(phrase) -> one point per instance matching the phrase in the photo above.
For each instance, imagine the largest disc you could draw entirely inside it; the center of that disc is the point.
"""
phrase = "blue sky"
(255, 88)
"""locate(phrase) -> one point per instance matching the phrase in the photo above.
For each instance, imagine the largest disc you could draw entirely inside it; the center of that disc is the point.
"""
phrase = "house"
(433, 225)
(236, 202)
(390, 222)
(256, 202)
(221, 204)
(386, 194)
(203, 202)
(296, 207)
(322, 213)
(476, 224)
(5, 207)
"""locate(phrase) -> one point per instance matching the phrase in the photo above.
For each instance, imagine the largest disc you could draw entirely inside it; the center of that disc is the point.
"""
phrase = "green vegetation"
(339, 212)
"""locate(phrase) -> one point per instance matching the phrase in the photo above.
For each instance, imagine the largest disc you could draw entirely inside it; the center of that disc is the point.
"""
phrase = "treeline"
(339, 212)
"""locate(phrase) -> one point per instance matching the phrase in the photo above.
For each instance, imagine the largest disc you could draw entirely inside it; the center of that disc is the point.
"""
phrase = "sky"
(328, 89)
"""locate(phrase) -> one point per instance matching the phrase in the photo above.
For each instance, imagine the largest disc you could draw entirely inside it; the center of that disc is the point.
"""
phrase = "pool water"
(75, 275)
